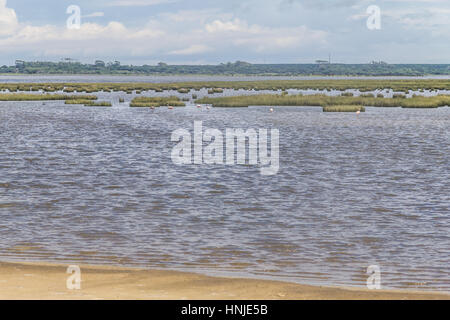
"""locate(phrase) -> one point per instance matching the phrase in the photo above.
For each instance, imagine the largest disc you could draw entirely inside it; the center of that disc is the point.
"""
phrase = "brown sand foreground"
(47, 281)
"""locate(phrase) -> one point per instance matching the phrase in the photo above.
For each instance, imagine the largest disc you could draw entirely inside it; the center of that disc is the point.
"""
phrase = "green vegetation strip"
(323, 100)
(147, 102)
(98, 104)
(343, 109)
(218, 86)
(89, 103)
(41, 97)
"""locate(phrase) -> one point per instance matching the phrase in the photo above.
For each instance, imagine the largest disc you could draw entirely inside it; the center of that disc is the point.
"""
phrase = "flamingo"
(170, 107)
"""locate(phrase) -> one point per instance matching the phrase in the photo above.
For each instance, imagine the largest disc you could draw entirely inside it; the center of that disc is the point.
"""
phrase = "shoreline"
(47, 281)
(237, 75)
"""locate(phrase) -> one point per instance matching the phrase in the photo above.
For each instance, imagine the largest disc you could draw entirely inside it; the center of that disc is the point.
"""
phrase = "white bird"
(170, 107)
(271, 110)
(199, 106)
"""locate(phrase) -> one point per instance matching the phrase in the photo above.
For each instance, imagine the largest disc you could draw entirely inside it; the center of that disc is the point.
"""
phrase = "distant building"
(379, 62)
(100, 63)
(322, 62)
(20, 63)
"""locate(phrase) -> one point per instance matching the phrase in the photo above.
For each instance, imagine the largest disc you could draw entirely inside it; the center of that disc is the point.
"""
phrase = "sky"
(210, 31)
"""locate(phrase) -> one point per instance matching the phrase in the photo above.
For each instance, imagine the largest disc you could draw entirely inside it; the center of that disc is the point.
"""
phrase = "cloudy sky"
(213, 31)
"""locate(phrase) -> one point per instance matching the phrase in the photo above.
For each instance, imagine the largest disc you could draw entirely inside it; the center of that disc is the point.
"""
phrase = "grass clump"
(98, 104)
(89, 103)
(343, 108)
(215, 90)
(77, 101)
(147, 102)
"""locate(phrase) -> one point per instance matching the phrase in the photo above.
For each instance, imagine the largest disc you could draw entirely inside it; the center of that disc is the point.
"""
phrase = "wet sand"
(48, 281)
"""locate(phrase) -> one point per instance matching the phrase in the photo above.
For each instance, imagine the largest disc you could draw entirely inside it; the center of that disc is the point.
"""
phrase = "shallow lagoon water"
(97, 185)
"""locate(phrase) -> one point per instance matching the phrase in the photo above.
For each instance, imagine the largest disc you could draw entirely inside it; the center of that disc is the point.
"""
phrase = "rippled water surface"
(97, 185)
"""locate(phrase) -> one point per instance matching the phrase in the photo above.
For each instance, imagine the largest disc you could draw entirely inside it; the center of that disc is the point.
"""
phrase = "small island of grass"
(343, 109)
(148, 102)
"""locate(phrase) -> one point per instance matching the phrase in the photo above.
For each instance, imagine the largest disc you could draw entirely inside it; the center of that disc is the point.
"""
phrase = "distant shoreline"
(32, 281)
(220, 75)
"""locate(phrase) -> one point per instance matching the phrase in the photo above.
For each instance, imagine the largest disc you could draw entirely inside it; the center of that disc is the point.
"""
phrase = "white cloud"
(8, 19)
(139, 3)
(181, 33)
(259, 38)
(193, 49)
(94, 15)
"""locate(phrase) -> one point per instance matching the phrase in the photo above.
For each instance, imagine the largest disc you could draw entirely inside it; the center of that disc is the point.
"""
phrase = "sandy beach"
(48, 281)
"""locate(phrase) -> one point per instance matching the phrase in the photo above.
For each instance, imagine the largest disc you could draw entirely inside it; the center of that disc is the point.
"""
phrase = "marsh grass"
(89, 103)
(98, 104)
(147, 102)
(404, 85)
(81, 101)
(215, 90)
(42, 97)
(343, 108)
(324, 100)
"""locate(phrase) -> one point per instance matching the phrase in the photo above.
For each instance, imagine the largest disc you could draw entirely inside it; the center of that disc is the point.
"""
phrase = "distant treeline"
(237, 68)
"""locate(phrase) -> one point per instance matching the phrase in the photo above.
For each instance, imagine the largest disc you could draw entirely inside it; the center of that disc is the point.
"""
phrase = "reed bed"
(323, 100)
(81, 101)
(343, 108)
(89, 103)
(42, 97)
(98, 104)
(147, 102)
(404, 85)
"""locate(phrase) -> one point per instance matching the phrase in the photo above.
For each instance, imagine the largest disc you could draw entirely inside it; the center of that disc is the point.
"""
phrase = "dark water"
(97, 185)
